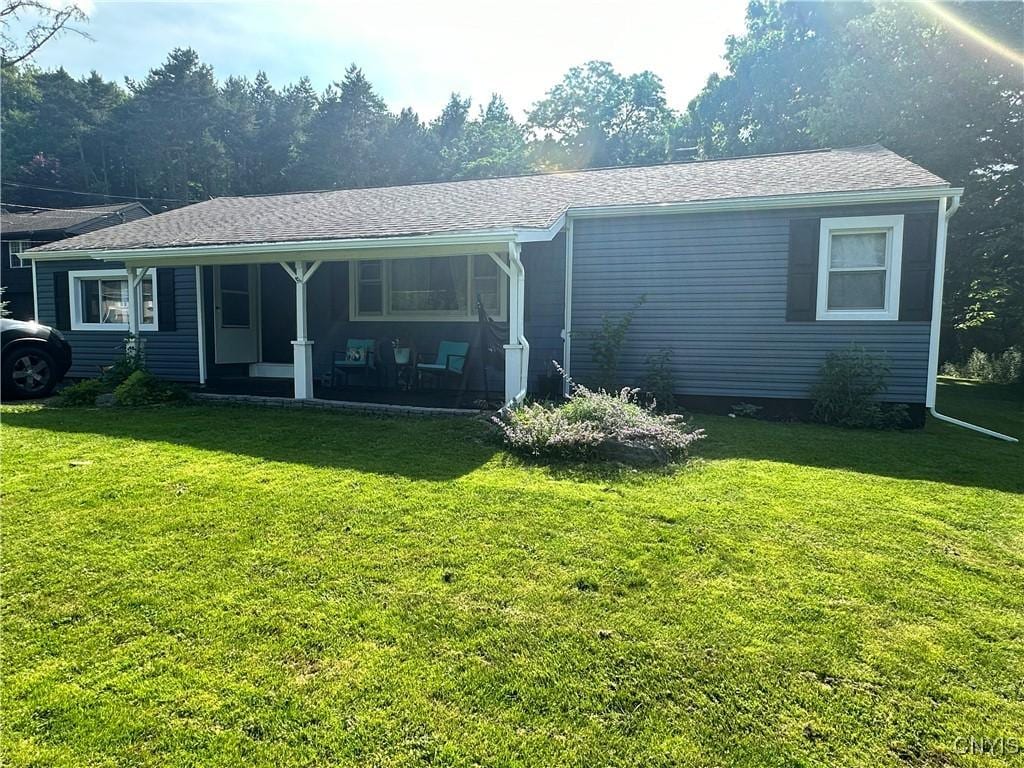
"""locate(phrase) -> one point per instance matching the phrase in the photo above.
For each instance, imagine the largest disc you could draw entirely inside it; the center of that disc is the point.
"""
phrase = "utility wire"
(93, 194)
(44, 208)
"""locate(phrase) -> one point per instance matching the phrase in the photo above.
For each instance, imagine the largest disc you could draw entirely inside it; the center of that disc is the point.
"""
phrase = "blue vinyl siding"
(715, 287)
(171, 354)
(545, 304)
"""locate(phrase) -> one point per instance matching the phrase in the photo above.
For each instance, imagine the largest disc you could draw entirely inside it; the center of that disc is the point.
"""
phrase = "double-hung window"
(430, 288)
(99, 300)
(859, 268)
(15, 249)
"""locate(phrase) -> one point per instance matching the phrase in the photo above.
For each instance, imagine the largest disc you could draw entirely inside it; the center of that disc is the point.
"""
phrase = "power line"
(93, 194)
(44, 208)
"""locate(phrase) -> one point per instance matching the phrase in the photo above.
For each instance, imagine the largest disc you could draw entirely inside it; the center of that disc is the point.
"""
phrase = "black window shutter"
(802, 281)
(62, 301)
(166, 320)
(918, 273)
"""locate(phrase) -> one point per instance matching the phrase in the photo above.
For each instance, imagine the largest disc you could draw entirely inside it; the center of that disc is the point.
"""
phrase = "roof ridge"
(560, 172)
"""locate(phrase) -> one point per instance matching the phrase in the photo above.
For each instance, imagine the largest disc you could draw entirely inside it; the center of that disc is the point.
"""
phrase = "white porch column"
(517, 351)
(302, 347)
(135, 278)
(133, 303)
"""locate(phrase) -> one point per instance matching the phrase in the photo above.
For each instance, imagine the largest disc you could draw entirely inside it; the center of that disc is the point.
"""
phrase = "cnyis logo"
(994, 746)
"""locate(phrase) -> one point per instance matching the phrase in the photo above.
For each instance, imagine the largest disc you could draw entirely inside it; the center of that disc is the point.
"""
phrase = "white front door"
(236, 314)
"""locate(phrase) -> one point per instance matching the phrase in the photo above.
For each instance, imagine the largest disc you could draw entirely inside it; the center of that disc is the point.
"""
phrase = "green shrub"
(999, 368)
(659, 381)
(143, 388)
(847, 392)
(83, 393)
(606, 346)
(133, 359)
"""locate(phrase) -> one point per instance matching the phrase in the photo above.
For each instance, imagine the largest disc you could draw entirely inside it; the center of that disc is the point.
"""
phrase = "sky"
(415, 53)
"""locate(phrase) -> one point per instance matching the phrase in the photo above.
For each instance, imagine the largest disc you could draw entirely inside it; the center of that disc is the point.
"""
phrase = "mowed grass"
(214, 586)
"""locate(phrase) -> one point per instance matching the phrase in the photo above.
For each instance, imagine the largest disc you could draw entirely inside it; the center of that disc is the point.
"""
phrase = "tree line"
(803, 75)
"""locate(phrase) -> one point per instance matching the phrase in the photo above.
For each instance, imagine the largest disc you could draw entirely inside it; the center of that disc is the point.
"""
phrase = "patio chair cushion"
(451, 355)
(451, 358)
(358, 354)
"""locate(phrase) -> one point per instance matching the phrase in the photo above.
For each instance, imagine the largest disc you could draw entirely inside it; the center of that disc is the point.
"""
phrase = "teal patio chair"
(360, 356)
(449, 363)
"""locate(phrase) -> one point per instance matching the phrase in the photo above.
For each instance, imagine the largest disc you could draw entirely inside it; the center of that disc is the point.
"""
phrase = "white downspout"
(933, 346)
(567, 329)
(201, 322)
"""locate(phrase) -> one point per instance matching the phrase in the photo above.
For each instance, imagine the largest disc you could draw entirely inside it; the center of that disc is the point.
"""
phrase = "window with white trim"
(859, 259)
(15, 249)
(430, 288)
(99, 300)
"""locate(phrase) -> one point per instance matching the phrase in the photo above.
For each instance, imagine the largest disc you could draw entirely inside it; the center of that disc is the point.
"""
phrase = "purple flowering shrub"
(597, 423)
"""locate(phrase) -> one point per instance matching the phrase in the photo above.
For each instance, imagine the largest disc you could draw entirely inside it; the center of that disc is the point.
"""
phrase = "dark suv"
(35, 358)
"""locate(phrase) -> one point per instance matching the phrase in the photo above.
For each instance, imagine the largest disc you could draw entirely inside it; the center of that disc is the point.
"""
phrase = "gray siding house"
(752, 270)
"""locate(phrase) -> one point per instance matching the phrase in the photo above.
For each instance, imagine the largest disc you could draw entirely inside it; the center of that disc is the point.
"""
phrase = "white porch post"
(302, 347)
(135, 278)
(133, 304)
(517, 351)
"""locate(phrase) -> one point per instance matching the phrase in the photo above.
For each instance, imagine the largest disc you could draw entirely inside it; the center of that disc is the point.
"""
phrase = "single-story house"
(752, 269)
(22, 230)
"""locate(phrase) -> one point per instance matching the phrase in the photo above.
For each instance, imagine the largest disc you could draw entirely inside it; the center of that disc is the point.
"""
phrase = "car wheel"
(29, 372)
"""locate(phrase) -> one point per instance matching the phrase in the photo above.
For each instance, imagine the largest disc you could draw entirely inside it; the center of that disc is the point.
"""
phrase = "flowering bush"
(593, 423)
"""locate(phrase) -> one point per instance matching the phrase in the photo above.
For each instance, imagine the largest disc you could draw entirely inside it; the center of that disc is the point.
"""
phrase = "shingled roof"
(519, 202)
(54, 222)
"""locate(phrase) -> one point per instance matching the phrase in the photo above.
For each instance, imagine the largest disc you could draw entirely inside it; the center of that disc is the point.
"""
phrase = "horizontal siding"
(715, 288)
(171, 354)
(544, 264)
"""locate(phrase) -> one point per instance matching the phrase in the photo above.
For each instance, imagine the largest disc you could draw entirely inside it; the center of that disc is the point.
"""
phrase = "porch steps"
(339, 405)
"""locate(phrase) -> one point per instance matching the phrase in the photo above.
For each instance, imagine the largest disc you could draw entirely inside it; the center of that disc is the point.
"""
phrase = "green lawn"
(210, 585)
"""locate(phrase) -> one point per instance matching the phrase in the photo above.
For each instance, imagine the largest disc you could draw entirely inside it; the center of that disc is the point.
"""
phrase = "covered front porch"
(403, 324)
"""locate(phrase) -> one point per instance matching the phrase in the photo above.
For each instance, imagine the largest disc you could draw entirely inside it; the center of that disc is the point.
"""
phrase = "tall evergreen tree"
(492, 145)
(346, 136)
(171, 126)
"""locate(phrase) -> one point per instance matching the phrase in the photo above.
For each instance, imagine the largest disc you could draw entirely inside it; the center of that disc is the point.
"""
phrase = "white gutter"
(933, 343)
(185, 252)
(773, 201)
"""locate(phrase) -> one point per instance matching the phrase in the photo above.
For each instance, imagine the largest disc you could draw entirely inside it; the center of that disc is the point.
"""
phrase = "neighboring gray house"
(22, 230)
(753, 269)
